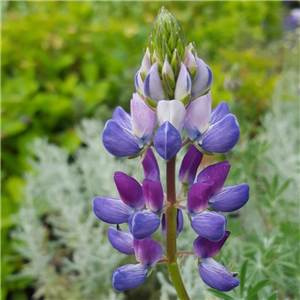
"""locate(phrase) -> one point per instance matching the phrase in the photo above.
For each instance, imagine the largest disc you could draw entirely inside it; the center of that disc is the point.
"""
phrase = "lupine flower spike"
(172, 100)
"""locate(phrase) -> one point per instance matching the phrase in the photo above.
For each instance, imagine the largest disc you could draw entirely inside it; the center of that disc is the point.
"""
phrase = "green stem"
(171, 234)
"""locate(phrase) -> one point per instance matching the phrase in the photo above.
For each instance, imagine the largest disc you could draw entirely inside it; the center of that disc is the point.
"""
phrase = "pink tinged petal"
(204, 248)
(230, 198)
(179, 225)
(121, 240)
(119, 141)
(217, 276)
(147, 251)
(172, 111)
(216, 173)
(219, 112)
(121, 117)
(143, 223)
(222, 136)
(190, 63)
(129, 277)
(138, 82)
(203, 80)
(189, 165)
(152, 87)
(198, 117)
(146, 65)
(183, 84)
(150, 166)
(167, 141)
(198, 197)
(154, 195)
(143, 119)
(111, 210)
(210, 225)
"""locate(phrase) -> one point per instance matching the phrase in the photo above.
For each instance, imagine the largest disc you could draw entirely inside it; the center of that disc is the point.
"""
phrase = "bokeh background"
(65, 67)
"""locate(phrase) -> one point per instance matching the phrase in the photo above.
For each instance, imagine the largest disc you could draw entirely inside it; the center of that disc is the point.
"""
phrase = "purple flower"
(189, 165)
(217, 131)
(147, 252)
(167, 139)
(121, 240)
(212, 273)
(150, 166)
(127, 135)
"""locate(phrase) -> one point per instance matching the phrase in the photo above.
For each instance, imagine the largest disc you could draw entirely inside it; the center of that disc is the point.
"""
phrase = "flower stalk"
(171, 234)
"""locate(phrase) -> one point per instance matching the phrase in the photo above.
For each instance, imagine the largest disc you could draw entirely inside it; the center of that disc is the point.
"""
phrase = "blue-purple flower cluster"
(172, 100)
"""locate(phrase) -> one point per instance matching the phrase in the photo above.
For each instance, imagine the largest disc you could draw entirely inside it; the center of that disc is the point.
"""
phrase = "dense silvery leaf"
(143, 223)
(222, 136)
(172, 111)
(167, 141)
(121, 240)
(217, 173)
(179, 225)
(217, 276)
(189, 165)
(150, 166)
(152, 86)
(129, 276)
(230, 198)
(219, 112)
(147, 251)
(210, 225)
(183, 84)
(198, 117)
(139, 83)
(153, 194)
(130, 190)
(143, 119)
(204, 248)
(111, 210)
(121, 117)
(198, 197)
(119, 141)
(203, 80)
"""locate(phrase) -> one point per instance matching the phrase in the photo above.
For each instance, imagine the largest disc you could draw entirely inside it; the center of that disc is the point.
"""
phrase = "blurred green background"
(65, 61)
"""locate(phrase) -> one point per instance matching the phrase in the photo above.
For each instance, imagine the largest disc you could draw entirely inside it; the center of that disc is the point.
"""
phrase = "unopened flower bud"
(183, 86)
(168, 77)
(190, 63)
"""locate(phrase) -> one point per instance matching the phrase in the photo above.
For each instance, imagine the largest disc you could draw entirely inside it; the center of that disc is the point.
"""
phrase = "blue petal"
(219, 112)
(217, 276)
(147, 251)
(143, 223)
(119, 141)
(230, 198)
(111, 210)
(153, 88)
(121, 117)
(167, 141)
(210, 225)
(121, 240)
(129, 277)
(222, 136)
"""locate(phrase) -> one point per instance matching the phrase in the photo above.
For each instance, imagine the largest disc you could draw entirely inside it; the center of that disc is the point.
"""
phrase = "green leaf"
(220, 294)
(256, 288)
(243, 277)
(273, 296)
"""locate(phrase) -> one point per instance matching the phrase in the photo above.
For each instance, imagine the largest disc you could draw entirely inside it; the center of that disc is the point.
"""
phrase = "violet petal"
(217, 276)
(130, 190)
(204, 248)
(111, 210)
(153, 194)
(230, 198)
(210, 225)
(219, 112)
(129, 277)
(121, 240)
(150, 166)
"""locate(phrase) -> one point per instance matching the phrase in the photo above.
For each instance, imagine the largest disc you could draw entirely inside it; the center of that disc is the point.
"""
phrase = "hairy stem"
(171, 235)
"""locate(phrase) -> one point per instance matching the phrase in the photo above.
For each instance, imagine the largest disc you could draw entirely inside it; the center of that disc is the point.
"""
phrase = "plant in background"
(172, 90)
